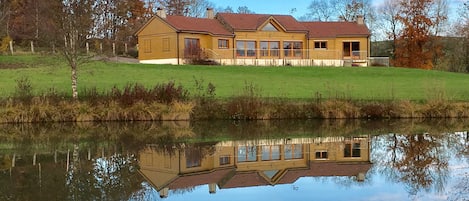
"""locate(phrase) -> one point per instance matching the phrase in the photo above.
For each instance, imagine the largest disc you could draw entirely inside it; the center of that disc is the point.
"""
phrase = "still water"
(226, 160)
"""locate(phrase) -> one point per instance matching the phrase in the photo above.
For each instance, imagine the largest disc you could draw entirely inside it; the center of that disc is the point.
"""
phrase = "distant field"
(358, 83)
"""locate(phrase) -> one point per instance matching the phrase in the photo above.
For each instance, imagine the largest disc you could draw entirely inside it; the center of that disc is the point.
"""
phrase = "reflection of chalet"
(256, 163)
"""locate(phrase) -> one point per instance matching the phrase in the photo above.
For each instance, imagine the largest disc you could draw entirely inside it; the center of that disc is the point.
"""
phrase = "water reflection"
(245, 163)
(353, 160)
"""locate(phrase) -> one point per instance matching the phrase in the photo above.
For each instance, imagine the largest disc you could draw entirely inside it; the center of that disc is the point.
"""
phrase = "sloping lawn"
(359, 83)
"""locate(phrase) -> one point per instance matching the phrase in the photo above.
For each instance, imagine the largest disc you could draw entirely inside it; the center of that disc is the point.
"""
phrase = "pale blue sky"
(286, 6)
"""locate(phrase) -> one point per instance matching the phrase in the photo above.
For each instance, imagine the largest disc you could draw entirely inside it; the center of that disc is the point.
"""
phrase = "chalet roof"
(326, 169)
(192, 24)
(186, 181)
(226, 23)
(253, 178)
(335, 29)
(253, 22)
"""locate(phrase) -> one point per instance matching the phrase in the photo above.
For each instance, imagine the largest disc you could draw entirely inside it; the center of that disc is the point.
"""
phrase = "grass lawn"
(368, 83)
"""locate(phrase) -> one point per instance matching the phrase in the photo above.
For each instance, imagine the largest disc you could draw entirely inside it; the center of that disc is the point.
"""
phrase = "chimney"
(360, 20)
(161, 12)
(212, 188)
(210, 14)
(164, 192)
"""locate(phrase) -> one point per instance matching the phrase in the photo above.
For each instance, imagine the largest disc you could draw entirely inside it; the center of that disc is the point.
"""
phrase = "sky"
(296, 8)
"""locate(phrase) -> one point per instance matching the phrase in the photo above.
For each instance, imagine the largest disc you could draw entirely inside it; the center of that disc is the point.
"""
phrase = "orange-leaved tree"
(415, 45)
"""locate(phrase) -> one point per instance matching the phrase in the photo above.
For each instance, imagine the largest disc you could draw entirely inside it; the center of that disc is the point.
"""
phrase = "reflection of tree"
(421, 164)
(418, 160)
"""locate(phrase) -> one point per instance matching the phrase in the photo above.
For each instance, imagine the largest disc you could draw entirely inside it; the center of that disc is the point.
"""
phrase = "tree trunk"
(74, 79)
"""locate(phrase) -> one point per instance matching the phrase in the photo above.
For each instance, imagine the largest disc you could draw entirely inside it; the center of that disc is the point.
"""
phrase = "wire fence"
(89, 48)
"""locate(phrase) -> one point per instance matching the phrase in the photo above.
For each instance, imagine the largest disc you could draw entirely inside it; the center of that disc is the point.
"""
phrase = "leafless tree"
(76, 22)
(321, 10)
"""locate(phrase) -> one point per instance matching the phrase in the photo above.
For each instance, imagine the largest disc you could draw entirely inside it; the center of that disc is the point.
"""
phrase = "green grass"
(368, 83)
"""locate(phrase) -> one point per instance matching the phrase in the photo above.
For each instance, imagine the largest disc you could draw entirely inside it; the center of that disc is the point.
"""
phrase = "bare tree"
(388, 23)
(244, 10)
(76, 22)
(321, 10)
(4, 15)
(198, 8)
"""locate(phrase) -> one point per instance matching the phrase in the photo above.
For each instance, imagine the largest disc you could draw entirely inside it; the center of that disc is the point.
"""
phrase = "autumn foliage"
(416, 46)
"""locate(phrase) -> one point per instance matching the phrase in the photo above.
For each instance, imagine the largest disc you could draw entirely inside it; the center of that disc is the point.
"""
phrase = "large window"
(193, 158)
(320, 45)
(293, 151)
(247, 153)
(293, 49)
(269, 48)
(223, 43)
(351, 49)
(191, 47)
(245, 48)
(352, 150)
(270, 152)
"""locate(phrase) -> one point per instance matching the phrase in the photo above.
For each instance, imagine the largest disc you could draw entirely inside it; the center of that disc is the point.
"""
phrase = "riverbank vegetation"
(36, 89)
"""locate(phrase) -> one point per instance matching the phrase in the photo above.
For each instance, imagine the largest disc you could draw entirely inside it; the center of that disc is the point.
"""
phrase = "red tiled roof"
(252, 22)
(199, 179)
(335, 29)
(244, 179)
(192, 24)
(326, 169)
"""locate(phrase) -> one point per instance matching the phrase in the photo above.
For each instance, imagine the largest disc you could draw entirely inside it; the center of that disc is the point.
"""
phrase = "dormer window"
(269, 27)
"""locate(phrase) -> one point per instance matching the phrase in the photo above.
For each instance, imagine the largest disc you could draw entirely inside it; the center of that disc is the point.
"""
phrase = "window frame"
(352, 150)
(224, 45)
(293, 51)
(243, 46)
(290, 151)
(323, 155)
(270, 51)
(320, 45)
(250, 154)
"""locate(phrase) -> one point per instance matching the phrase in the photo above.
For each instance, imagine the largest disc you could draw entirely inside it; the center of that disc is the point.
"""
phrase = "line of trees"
(414, 27)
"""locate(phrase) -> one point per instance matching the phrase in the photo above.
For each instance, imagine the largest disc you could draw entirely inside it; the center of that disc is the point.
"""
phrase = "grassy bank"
(36, 89)
(279, 82)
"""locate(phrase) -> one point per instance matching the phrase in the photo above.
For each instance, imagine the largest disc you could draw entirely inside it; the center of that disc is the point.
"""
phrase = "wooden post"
(40, 175)
(89, 153)
(68, 159)
(87, 48)
(32, 47)
(114, 49)
(55, 156)
(101, 48)
(13, 160)
(11, 47)
(125, 47)
(34, 159)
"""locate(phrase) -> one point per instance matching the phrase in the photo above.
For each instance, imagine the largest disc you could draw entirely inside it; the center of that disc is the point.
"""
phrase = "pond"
(235, 160)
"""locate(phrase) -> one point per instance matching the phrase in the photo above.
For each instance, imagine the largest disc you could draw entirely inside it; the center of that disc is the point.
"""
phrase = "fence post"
(101, 48)
(87, 48)
(125, 46)
(114, 49)
(11, 47)
(32, 47)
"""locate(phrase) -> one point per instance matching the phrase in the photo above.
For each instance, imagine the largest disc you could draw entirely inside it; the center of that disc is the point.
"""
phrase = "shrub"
(23, 90)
